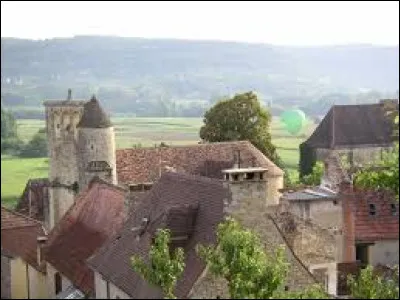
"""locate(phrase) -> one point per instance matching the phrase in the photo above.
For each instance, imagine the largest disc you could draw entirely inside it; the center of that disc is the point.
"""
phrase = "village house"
(102, 205)
(97, 214)
(23, 273)
(192, 207)
(359, 133)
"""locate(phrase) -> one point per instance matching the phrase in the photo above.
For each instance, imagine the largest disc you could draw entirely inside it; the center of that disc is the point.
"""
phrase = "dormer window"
(393, 209)
(372, 209)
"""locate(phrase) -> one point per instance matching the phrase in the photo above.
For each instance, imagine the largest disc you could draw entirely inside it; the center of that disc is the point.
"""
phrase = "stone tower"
(96, 145)
(62, 118)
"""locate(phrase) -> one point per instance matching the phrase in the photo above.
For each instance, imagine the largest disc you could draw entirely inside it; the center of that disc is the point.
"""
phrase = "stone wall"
(359, 155)
(61, 121)
(96, 144)
(5, 277)
(384, 252)
(327, 213)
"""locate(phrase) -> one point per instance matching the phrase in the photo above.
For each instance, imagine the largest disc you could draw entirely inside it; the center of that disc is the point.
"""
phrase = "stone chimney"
(348, 227)
(41, 241)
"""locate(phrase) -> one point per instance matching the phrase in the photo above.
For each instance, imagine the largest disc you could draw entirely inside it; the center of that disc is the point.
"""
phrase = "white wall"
(101, 289)
(384, 252)
(331, 272)
(51, 271)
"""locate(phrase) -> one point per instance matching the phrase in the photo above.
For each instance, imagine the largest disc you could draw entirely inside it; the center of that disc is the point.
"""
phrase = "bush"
(37, 146)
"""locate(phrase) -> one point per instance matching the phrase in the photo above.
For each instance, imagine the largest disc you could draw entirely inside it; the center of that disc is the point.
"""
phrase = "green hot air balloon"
(294, 120)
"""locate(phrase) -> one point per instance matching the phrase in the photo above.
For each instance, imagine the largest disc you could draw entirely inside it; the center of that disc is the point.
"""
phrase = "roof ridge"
(37, 222)
(100, 180)
(189, 145)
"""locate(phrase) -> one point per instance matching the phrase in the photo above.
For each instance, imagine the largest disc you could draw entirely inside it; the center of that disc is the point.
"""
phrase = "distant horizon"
(357, 44)
(278, 23)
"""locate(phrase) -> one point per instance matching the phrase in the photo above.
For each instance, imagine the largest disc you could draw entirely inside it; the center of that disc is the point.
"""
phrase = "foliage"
(164, 268)
(37, 146)
(240, 118)
(240, 258)
(8, 125)
(315, 177)
(369, 286)
(308, 158)
(383, 175)
(141, 76)
(10, 143)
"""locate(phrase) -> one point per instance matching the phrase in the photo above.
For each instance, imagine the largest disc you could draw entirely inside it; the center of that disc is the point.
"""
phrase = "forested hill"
(172, 77)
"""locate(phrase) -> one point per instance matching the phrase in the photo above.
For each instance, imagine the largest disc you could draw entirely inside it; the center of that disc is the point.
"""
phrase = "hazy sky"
(281, 23)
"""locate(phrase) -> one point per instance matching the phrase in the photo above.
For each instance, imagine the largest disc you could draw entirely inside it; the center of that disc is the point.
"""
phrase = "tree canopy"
(240, 118)
(164, 268)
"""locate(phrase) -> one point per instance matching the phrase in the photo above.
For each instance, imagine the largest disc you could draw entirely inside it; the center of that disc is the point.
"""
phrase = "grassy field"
(130, 132)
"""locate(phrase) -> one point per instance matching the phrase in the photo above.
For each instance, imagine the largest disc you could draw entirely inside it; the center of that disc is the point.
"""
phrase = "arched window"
(57, 283)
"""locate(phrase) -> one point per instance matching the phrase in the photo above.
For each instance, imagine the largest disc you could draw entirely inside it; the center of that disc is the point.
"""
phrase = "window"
(372, 209)
(57, 283)
(261, 176)
(393, 209)
(362, 253)
(334, 202)
(249, 176)
(226, 176)
(235, 177)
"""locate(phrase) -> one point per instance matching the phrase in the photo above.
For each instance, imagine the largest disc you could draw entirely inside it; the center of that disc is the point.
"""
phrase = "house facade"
(358, 133)
(22, 270)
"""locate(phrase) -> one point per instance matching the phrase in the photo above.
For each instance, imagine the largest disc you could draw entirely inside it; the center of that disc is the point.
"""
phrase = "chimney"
(69, 98)
(41, 241)
(348, 227)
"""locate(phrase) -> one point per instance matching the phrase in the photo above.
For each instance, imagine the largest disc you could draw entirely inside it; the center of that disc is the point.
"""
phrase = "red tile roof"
(174, 199)
(19, 236)
(143, 164)
(97, 214)
(381, 226)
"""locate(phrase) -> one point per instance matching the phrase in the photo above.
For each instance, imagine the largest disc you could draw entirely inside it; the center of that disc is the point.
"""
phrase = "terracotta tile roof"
(172, 196)
(381, 226)
(97, 214)
(39, 194)
(143, 164)
(19, 236)
(353, 125)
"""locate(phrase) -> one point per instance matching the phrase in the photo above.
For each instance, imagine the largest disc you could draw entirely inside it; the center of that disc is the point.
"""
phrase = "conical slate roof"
(94, 116)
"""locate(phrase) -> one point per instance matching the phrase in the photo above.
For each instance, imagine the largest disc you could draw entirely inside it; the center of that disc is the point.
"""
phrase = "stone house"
(192, 207)
(370, 226)
(96, 215)
(23, 274)
(357, 132)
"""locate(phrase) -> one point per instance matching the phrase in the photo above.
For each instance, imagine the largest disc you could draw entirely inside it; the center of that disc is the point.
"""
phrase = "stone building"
(192, 207)
(357, 132)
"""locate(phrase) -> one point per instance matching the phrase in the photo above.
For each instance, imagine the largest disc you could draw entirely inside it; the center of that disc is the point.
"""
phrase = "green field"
(129, 132)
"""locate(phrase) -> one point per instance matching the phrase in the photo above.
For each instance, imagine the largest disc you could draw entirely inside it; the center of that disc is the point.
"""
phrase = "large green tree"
(10, 143)
(240, 118)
